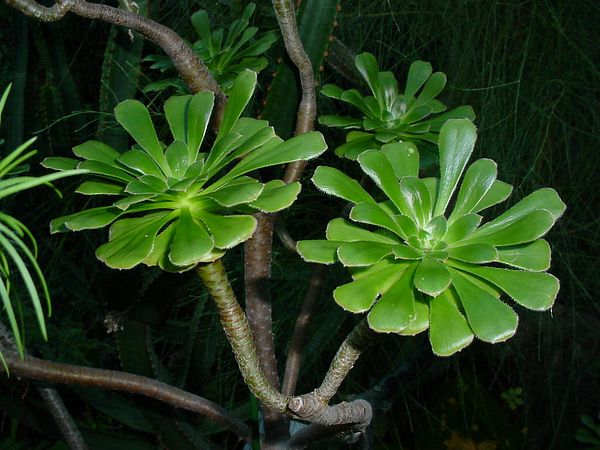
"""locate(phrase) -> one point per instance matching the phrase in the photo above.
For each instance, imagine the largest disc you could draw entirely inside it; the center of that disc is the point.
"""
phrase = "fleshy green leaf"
(449, 331)
(198, 116)
(533, 290)
(373, 214)
(96, 151)
(239, 96)
(418, 74)
(367, 66)
(105, 170)
(513, 230)
(421, 321)
(228, 231)
(139, 161)
(276, 196)
(341, 230)
(191, 241)
(432, 277)
(395, 310)
(60, 163)
(478, 180)
(334, 182)
(99, 188)
(85, 220)
(363, 253)
(359, 295)
(404, 158)
(462, 228)
(498, 192)
(355, 147)
(491, 319)
(456, 143)
(474, 253)
(318, 251)
(132, 240)
(177, 158)
(238, 194)
(176, 109)
(533, 256)
(416, 196)
(403, 251)
(134, 117)
(434, 85)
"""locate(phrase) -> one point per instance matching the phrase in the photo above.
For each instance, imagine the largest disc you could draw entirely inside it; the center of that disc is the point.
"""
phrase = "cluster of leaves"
(589, 433)
(389, 116)
(414, 267)
(225, 54)
(177, 206)
(18, 248)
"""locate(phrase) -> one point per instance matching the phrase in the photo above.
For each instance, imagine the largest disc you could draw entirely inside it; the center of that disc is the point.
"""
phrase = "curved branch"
(42, 370)
(191, 68)
(307, 111)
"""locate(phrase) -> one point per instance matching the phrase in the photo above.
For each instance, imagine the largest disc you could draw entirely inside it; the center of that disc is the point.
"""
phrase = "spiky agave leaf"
(172, 205)
(226, 53)
(389, 115)
(418, 264)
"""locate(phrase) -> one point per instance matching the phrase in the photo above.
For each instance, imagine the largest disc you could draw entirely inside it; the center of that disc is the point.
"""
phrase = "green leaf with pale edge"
(134, 117)
(367, 66)
(177, 158)
(363, 253)
(60, 163)
(462, 228)
(176, 109)
(96, 151)
(395, 310)
(533, 256)
(238, 194)
(139, 161)
(359, 295)
(105, 170)
(421, 321)
(498, 192)
(228, 231)
(456, 143)
(191, 241)
(334, 182)
(404, 158)
(525, 228)
(378, 167)
(99, 188)
(533, 290)
(418, 73)
(133, 245)
(341, 230)
(449, 331)
(352, 149)
(239, 96)
(478, 180)
(403, 251)
(85, 220)
(162, 242)
(490, 319)
(474, 253)
(432, 277)
(416, 196)
(198, 116)
(318, 251)
(373, 214)
(276, 196)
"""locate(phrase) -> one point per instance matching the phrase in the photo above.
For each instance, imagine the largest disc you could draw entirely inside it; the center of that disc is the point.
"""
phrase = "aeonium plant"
(416, 263)
(175, 204)
(390, 115)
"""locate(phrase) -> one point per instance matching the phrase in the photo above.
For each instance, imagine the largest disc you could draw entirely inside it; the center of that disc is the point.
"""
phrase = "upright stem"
(307, 111)
(238, 332)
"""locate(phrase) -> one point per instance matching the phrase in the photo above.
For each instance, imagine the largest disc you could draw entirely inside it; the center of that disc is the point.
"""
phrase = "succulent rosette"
(388, 115)
(418, 264)
(175, 205)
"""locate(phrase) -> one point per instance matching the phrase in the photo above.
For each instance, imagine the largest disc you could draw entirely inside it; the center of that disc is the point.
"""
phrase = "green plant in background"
(18, 248)
(589, 433)
(226, 54)
(388, 115)
(431, 265)
(181, 207)
(513, 397)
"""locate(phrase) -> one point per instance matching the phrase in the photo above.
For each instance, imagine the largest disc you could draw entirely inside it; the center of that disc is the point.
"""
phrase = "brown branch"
(42, 370)
(190, 67)
(284, 235)
(307, 111)
(294, 358)
(238, 332)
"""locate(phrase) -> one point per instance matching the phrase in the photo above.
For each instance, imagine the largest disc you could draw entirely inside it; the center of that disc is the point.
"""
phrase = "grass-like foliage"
(175, 205)
(18, 248)
(225, 53)
(389, 115)
(418, 264)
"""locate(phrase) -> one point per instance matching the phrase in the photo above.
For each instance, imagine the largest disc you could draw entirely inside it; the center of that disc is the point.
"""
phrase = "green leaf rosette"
(388, 115)
(417, 264)
(173, 205)
(226, 53)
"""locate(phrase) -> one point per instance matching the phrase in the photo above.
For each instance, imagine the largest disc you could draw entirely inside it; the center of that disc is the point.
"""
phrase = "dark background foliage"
(529, 69)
